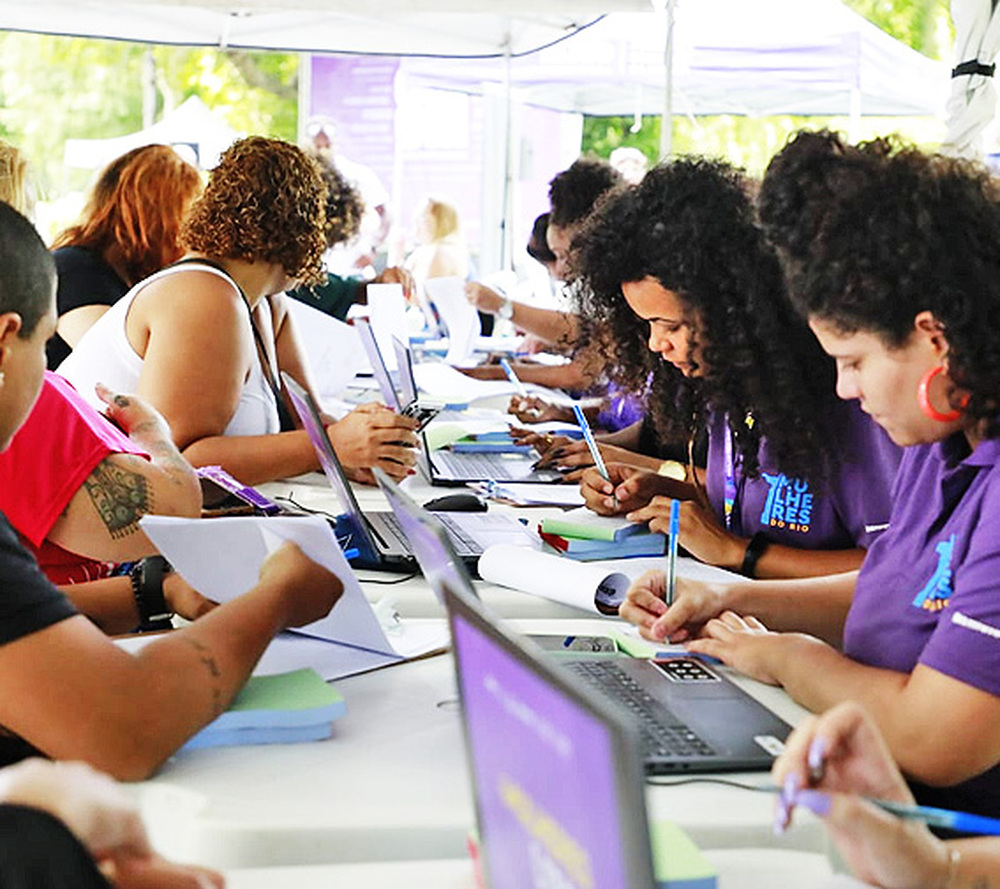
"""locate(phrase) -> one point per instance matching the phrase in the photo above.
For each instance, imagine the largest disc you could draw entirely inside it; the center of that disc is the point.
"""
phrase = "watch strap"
(755, 549)
(147, 588)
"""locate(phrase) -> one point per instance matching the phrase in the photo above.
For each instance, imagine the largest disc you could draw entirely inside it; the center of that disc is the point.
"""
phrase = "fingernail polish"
(816, 759)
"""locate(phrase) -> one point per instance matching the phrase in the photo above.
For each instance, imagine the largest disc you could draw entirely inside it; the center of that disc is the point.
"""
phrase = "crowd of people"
(808, 363)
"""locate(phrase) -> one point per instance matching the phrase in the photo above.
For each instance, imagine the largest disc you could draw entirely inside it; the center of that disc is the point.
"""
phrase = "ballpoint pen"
(595, 451)
(509, 371)
(672, 535)
(964, 822)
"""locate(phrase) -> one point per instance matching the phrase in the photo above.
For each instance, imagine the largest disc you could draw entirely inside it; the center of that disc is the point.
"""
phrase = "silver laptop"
(691, 718)
(376, 535)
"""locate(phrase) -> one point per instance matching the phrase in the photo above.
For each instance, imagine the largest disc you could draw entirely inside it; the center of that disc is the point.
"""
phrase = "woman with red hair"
(128, 230)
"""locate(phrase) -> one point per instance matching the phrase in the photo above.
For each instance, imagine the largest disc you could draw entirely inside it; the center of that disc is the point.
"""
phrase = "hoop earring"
(924, 399)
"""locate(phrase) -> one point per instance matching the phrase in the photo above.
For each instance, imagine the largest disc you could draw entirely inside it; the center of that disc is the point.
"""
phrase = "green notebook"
(582, 524)
(278, 709)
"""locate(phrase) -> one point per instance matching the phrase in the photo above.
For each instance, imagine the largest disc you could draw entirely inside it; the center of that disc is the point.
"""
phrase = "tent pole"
(506, 249)
(667, 118)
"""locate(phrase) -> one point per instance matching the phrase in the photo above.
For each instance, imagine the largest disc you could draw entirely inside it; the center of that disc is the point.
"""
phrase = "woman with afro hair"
(677, 270)
(204, 340)
(895, 264)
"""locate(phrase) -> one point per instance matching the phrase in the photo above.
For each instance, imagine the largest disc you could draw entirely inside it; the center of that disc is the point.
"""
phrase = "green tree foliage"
(58, 88)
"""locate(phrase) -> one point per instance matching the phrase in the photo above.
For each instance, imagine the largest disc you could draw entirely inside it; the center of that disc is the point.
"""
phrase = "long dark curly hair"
(915, 232)
(691, 225)
(263, 202)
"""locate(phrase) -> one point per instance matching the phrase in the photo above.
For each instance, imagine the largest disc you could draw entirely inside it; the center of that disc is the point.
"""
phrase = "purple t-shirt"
(929, 590)
(849, 509)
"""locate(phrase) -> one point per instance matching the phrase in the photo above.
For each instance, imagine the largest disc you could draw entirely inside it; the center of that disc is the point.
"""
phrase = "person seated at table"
(65, 688)
(74, 485)
(573, 194)
(203, 341)
(796, 483)
(829, 765)
(344, 211)
(128, 229)
(440, 250)
(63, 824)
(913, 329)
(75, 498)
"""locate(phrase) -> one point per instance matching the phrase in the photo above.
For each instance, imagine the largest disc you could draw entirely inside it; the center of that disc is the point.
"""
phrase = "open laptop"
(403, 400)
(691, 717)
(556, 769)
(376, 534)
(449, 468)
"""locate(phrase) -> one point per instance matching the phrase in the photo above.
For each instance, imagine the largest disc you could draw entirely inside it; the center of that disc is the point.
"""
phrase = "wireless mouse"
(456, 503)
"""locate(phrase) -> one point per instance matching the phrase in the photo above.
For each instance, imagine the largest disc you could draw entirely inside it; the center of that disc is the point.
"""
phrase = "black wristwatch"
(755, 549)
(147, 587)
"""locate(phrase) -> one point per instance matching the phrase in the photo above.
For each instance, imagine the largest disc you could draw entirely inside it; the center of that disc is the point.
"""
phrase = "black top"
(28, 603)
(28, 600)
(85, 279)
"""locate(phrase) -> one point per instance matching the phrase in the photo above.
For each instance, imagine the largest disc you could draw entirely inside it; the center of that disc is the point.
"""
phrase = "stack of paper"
(280, 709)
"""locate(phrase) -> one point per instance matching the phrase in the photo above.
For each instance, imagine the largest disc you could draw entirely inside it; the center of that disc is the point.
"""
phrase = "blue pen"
(507, 369)
(588, 437)
(965, 822)
(674, 533)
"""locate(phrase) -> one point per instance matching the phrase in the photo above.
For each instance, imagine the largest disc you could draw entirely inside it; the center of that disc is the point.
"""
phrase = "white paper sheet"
(387, 314)
(333, 349)
(458, 314)
(552, 577)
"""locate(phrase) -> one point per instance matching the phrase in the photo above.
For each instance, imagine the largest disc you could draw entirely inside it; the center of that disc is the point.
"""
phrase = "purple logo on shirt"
(788, 505)
(937, 591)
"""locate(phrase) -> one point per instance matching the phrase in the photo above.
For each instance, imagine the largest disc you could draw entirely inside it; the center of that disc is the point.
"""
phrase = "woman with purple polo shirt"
(677, 272)
(901, 284)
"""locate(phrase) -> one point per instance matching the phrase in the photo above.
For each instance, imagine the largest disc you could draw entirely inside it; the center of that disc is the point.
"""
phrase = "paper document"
(586, 585)
(458, 315)
(333, 349)
(221, 558)
(387, 315)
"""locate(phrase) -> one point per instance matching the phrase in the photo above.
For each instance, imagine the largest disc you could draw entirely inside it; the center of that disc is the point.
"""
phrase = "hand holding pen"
(838, 766)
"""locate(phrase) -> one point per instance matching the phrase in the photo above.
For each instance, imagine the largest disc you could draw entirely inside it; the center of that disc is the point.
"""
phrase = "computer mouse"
(456, 503)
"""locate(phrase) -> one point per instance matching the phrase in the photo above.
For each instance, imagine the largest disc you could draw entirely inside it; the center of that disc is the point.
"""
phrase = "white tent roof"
(457, 28)
(191, 123)
(730, 57)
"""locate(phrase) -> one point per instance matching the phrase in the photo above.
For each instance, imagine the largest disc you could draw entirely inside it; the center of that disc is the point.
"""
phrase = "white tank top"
(105, 355)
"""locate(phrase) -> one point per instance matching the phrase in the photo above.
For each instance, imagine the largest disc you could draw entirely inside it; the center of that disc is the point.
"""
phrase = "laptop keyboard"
(474, 466)
(663, 734)
(460, 538)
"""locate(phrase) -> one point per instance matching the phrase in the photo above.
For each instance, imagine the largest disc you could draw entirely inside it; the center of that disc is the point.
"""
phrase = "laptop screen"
(428, 542)
(313, 425)
(380, 371)
(407, 383)
(557, 778)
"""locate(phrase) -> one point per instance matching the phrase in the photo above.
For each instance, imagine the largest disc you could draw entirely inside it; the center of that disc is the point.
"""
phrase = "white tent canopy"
(730, 57)
(453, 28)
(191, 124)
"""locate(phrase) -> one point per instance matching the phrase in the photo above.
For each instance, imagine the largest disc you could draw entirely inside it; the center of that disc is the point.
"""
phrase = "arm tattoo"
(121, 497)
(208, 662)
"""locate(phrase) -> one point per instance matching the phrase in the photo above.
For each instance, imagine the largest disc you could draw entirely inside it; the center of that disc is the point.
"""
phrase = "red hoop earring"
(924, 399)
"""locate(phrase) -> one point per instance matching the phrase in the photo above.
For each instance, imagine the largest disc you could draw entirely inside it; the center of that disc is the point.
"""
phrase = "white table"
(392, 784)
(737, 869)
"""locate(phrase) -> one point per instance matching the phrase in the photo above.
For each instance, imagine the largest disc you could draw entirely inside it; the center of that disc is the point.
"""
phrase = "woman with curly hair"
(901, 285)
(129, 228)
(204, 340)
(679, 273)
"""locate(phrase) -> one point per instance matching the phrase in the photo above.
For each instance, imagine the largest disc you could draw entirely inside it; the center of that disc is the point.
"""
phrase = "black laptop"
(376, 534)
(691, 717)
